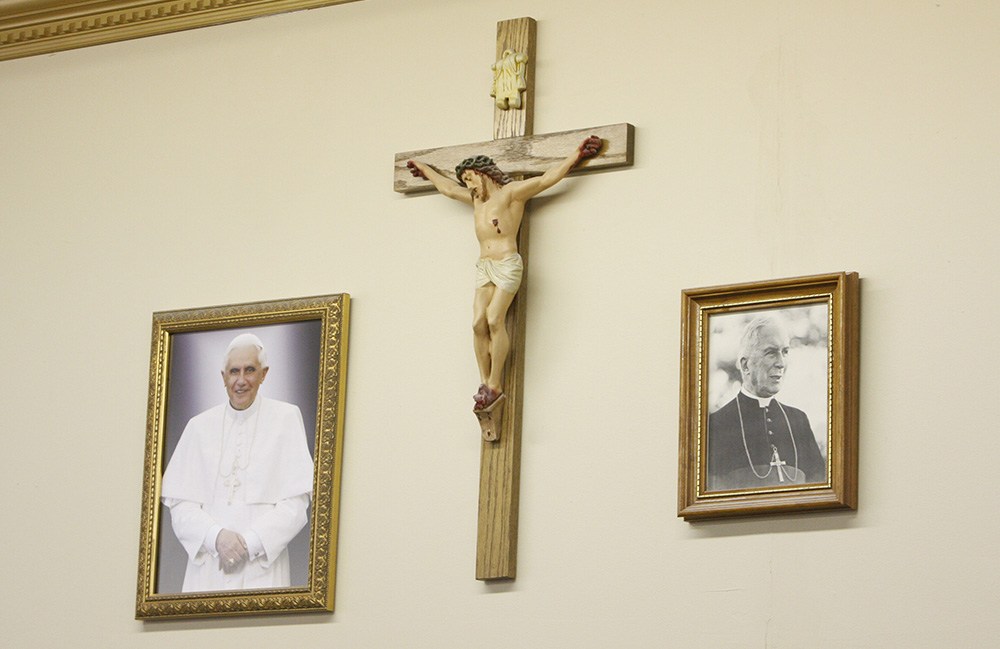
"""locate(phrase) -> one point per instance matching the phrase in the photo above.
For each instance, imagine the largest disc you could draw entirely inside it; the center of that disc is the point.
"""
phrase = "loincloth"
(505, 273)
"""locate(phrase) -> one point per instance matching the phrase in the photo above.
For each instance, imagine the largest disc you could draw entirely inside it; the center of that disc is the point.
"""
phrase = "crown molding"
(30, 27)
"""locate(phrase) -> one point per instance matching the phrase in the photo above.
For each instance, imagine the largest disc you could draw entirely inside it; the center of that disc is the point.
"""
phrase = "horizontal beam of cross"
(529, 155)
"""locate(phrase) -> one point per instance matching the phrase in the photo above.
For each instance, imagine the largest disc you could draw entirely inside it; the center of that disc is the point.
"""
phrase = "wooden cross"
(520, 154)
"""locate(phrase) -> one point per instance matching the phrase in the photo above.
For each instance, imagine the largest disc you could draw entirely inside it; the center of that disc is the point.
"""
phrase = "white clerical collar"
(763, 401)
(240, 415)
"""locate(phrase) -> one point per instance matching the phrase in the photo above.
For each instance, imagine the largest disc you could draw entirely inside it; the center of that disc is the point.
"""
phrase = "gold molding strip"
(31, 27)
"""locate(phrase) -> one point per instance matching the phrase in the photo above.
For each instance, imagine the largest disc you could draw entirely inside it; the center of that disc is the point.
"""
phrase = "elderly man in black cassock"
(755, 441)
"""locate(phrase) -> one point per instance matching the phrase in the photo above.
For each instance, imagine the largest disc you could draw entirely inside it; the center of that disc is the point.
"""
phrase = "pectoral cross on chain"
(777, 463)
(520, 154)
(233, 482)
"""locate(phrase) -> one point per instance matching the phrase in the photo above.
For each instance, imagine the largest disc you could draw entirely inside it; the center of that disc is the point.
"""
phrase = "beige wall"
(253, 161)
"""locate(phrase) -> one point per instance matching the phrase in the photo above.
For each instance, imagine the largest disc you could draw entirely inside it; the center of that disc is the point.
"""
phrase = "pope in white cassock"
(239, 482)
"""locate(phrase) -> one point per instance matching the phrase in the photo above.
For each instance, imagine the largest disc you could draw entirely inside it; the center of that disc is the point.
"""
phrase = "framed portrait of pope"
(769, 397)
(243, 455)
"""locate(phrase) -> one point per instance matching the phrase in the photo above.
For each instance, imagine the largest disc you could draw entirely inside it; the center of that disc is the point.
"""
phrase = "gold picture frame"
(30, 27)
(306, 343)
(747, 352)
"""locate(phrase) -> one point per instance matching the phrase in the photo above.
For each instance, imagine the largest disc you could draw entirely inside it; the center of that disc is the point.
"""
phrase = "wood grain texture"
(500, 461)
(522, 156)
(517, 35)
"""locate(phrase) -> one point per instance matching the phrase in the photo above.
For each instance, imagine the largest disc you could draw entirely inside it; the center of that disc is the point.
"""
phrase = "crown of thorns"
(483, 164)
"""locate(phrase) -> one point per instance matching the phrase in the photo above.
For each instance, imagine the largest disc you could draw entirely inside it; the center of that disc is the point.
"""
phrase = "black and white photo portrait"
(768, 398)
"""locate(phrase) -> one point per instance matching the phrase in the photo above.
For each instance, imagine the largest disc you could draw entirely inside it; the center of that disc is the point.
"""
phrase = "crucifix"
(522, 156)
(233, 483)
(777, 463)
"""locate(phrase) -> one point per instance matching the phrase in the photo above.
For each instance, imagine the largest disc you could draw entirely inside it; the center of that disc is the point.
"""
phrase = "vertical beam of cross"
(500, 461)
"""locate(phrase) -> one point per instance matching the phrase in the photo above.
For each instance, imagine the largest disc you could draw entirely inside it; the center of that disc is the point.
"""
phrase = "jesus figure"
(498, 207)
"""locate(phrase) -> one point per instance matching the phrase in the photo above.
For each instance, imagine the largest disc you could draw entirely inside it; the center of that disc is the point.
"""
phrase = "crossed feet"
(485, 398)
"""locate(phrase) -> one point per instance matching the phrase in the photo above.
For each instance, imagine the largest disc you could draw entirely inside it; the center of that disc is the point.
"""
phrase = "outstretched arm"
(446, 186)
(532, 186)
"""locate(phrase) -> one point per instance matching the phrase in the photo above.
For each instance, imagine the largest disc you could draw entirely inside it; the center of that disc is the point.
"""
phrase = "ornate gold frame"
(29, 27)
(841, 292)
(332, 313)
